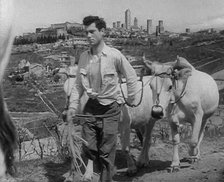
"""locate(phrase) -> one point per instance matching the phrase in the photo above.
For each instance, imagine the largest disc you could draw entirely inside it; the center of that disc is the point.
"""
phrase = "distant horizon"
(177, 15)
(196, 30)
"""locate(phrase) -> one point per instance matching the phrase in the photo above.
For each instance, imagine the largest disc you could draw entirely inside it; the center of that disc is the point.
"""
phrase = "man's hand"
(91, 93)
(70, 114)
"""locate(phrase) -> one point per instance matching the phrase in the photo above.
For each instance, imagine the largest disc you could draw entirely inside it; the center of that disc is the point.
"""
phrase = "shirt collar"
(105, 50)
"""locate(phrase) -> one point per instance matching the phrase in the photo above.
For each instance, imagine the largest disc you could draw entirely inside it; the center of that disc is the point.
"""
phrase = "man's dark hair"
(100, 23)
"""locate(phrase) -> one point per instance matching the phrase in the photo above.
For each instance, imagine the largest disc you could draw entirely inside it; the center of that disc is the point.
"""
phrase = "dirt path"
(210, 168)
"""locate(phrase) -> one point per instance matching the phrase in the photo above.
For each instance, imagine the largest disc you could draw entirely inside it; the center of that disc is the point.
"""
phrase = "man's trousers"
(101, 135)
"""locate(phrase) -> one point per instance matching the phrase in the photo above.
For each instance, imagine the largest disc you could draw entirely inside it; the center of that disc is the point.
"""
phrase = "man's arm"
(76, 93)
(125, 68)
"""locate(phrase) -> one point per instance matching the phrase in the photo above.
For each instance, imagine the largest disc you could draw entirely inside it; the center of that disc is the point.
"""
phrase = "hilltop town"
(68, 30)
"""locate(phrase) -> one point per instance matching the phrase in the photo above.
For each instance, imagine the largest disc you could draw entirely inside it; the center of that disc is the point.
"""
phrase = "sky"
(177, 15)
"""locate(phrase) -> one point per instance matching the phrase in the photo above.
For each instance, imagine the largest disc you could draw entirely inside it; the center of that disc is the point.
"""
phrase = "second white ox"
(183, 94)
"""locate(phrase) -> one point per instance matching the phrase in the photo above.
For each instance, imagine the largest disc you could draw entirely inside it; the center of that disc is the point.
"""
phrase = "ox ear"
(6, 33)
(183, 73)
(181, 63)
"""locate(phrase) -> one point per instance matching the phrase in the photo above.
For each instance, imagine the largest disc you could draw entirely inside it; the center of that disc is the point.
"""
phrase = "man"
(98, 75)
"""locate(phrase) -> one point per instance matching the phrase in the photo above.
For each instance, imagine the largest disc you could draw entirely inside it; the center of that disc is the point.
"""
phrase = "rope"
(97, 116)
(45, 103)
(125, 99)
(182, 93)
(183, 90)
(54, 110)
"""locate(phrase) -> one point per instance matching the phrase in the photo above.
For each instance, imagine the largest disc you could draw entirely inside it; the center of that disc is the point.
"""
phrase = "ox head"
(7, 129)
(167, 84)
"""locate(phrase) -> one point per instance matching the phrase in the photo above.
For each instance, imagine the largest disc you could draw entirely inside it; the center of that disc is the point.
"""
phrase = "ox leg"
(132, 169)
(125, 132)
(195, 138)
(175, 165)
(140, 134)
(201, 135)
(143, 159)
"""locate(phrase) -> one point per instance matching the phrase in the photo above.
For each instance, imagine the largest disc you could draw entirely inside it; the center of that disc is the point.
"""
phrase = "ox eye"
(170, 88)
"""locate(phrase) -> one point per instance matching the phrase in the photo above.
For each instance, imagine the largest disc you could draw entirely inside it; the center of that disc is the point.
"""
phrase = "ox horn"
(182, 63)
(146, 62)
(6, 33)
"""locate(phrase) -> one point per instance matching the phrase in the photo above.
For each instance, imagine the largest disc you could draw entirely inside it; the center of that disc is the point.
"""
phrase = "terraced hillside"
(205, 53)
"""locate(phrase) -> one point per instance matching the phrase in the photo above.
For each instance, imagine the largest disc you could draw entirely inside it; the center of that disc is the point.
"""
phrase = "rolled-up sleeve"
(77, 89)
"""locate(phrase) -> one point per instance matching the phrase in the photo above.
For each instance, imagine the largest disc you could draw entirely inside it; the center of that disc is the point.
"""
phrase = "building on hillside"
(38, 30)
(135, 29)
(30, 36)
(188, 30)
(135, 22)
(59, 29)
(46, 32)
(76, 29)
(114, 25)
(128, 19)
(76, 26)
(157, 31)
(206, 31)
(64, 59)
(59, 26)
(118, 24)
(61, 32)
(149, 26)
(36, 69)
(24, 65)
(174, 35)
(161, 27)
(51, 62)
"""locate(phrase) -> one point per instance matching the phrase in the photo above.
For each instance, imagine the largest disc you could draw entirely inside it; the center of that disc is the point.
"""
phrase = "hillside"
(206, 55)
(31, 105)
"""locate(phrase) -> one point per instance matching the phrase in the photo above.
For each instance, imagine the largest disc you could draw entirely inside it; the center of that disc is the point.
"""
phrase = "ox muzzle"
(157, 111)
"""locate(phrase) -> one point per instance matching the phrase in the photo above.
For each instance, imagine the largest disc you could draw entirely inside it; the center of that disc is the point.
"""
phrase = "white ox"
(138, 118)
(183, 94)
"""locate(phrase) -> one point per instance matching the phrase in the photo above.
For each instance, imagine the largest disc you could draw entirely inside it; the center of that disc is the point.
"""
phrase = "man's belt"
(97, 116)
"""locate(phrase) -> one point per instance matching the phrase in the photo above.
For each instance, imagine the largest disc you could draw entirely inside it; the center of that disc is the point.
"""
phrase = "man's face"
(93, 34)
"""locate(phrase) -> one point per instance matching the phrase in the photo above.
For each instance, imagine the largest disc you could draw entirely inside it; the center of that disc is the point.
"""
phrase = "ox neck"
(182, 92)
